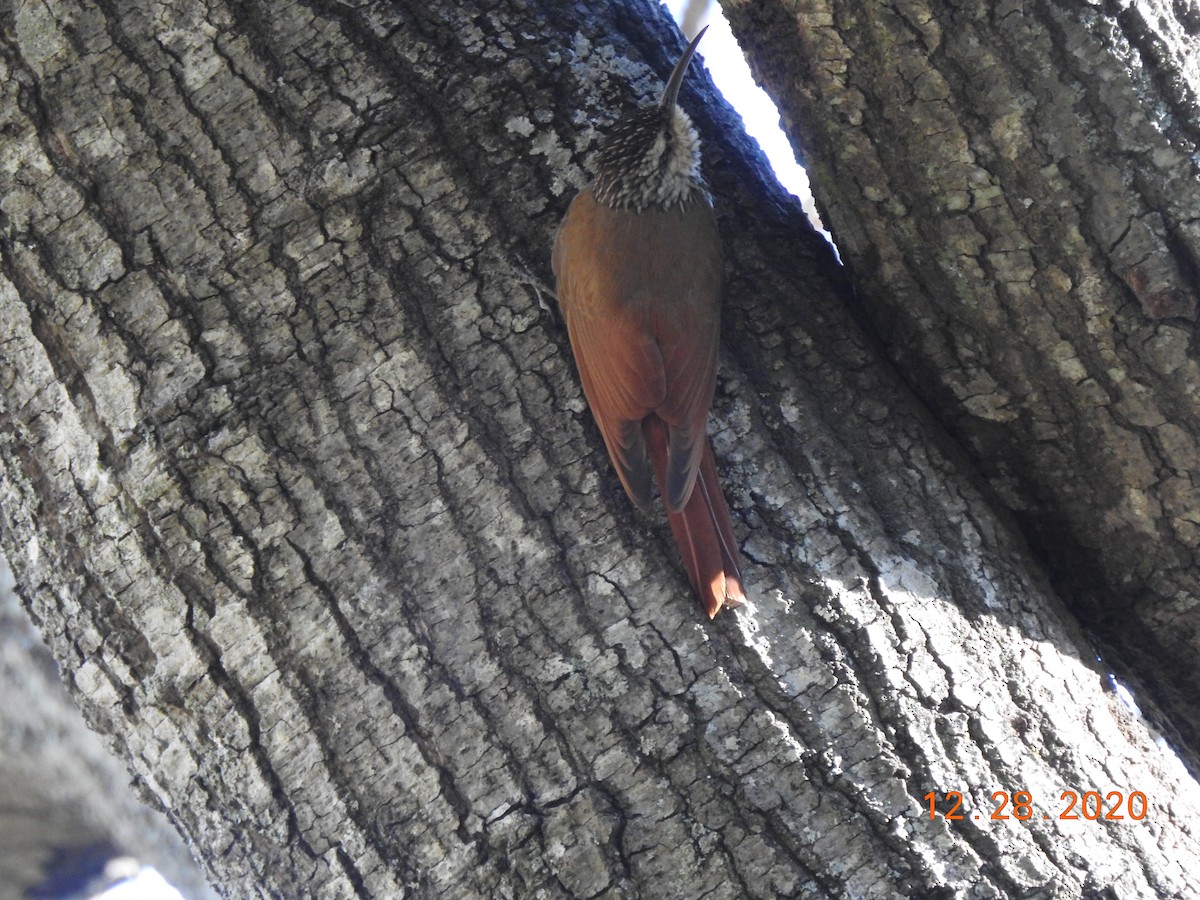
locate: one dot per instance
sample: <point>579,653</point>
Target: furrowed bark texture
<point>1015,189</point>
<point>65,806</point>
<point>299,484</point>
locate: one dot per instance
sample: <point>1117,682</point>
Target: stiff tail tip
<point>702,529</point>
<point>724,592</point>
<point>704,534</point>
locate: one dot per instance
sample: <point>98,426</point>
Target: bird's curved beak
<point>671,91</point>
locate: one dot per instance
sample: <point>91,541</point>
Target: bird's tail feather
<point>703,530</point>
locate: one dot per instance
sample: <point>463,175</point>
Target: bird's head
<point>652,157</point>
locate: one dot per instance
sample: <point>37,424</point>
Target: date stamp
<point>1113,806</point>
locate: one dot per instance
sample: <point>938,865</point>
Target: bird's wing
<point>621,370</point>
<point>687,329</point>
<point>620,364</point>
<point>640,292</point>
<point>690,362</point>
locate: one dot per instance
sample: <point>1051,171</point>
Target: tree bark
<point>1014,190</point>
<point>299,484</point>
<point>66,811</point>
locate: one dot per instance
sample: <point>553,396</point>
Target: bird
<point>638,275</point>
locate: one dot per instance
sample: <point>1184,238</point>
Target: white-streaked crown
<point>650,159</point>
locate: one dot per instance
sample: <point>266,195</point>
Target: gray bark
<point>1014,188</point>
<point>69,823</point>
<point>298,481</point>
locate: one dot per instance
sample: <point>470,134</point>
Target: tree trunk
<point>67,816</point>
<point>1014,189</point>
<point>299,484</point>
